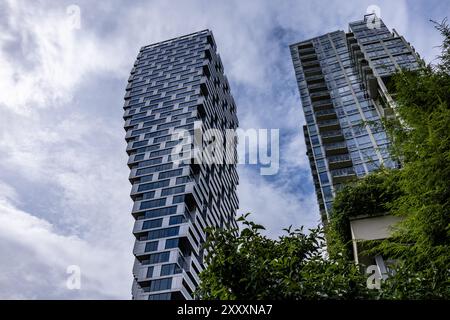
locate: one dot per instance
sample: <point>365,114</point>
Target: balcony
<point>322,105</point>
<point>343,175</point>
<point>314,78</point>
<point>310,64</point>
<point>336,148</point>
<point>332,136</point>
<point>326,114</point>
<point>339,161</point>
<point>319,85</point>
<point>328,125</point>
<point>318,96</point>
<point>305,49</point>
<point>308,55</point>
<point>309,73</point>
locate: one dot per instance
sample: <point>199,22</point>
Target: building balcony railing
<point>327,125</point>
<point>312,78</point>
<point>308,55</point>
<point>343,175</point>
<point>318,96</point>
<point>332,136</point>
<point>336,148</point>
<point>339,161</point>
<point>312,72</point>
<point>322,105</point>
<point>314,62</point>
<point>318,85</point>
<point>325,114</point>
<point>306,50</point>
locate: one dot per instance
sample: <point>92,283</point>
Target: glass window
<point>159,212</point>
<point>158,257</point>
<point>161,284</point>
<point>327,193</point>
<point>151,246</point>
<point>176,219</point>
<point>320,164</point>
<point>364,141</point>
<point>172,243</point>
<point>324,178</point>
<point>163,233</point>
<point>149,224</point>
<point>168,269</point>
<point>318,152</point>
<point>153,203</point>
<point>360,170</point>
<point>178,199</point>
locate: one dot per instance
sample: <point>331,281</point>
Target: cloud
<point>35,258</point>
<point>44,57</point>
<point>273,205</point>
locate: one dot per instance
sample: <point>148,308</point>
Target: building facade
<point>342,79</point>
<point>178,84</point>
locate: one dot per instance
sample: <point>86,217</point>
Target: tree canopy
<point>247,265</point>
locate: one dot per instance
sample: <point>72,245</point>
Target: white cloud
<point>35,258</point>
<point>273,205</point>
<point>44,58</point>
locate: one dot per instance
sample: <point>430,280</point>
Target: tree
<point>371,195</point>
<point>247,265</point>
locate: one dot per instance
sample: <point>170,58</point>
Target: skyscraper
<point>342,81</point>
<point>176,84</point>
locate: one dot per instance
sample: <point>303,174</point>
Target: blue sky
<point>63,176</point>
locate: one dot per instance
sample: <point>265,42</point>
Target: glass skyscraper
<point>342,79</point>
<point>176,84</point>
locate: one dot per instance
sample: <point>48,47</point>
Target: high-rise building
<point>342,81</point>
<point>342,78</point>
<point>177,84</point>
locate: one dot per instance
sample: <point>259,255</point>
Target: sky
<point>64,190</point>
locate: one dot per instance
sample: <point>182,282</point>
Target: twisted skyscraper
<point>178,84</point>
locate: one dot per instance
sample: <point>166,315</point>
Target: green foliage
<point>370,195</point>
<point>248,265</point>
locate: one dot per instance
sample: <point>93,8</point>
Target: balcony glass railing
<point>342,172</point>
<point>339,158</point>
<point>326,112</point>
<point>316,71</point>
<point>321,103</point>
<point>314,62</point>
<point>308,55</point>
<point>307,51</point>
<point>337,145</point>
<point>325,123</point>
<point>319,94</point>
<point>333,133</point>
